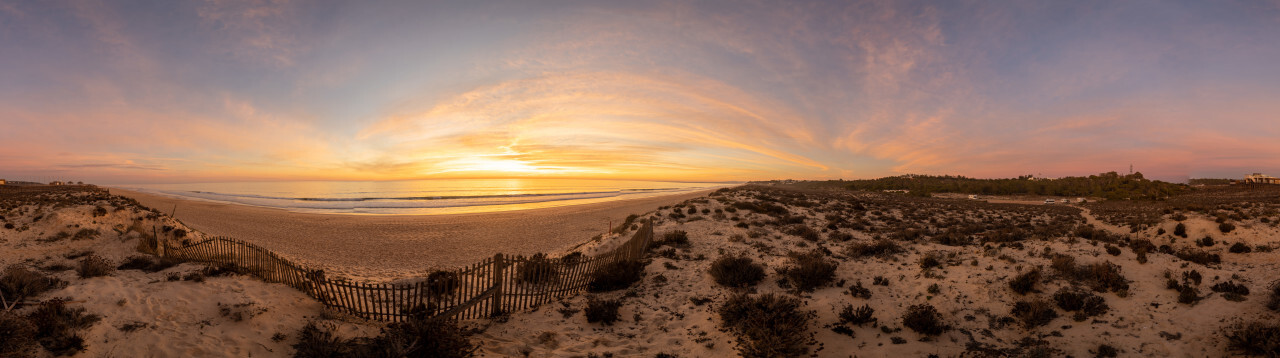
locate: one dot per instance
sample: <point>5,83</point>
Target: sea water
<point>421,196</point>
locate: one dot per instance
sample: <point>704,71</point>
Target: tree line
<point>1109,185</point>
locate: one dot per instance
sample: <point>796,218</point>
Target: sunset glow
<point>124,92</point>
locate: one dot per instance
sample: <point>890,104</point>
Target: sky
<point>228,90</point>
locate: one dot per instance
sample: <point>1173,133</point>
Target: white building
<point>1259,178</point>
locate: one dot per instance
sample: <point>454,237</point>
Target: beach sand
<point>375,248</point>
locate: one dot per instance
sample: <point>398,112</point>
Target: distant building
<point>2,182</point>
<point>55,182</point>
<point>1259,178</point>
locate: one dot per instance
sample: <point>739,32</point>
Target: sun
<point>491,165</point>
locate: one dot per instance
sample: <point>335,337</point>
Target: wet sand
<point>384,247</point>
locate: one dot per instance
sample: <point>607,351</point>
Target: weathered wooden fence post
<point>498,267</point>
<point>159,245</point>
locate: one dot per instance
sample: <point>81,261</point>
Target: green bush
<point>767,326</point>
<point>736,271</point>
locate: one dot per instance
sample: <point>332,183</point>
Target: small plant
<point>767,326</point>
<point>1025,282</point>
<point>1231,291</point>
<point>809,271</point>
<point>1112,250</point>
<point>603,311</point>
<point>1180,230</point>
<point>677,238</point>
<point>1034,313</point>
<point>148,264</point>
<point>95,266</point>
<point>17,335</point>
<point>57,326</point>
<point>929,261</point>
<point>616,275</point>
<point>1106,351</point>
<point>1207,241</point>
<point>924,319</point>
<point>440,283</point>
<point>537,269</point>
<point>803,231</point>
<point>859,316</point>
<point>880,248</point>
<point>1240,248</point>
<point>736,271</point>
<point>1274,303</point>
<point>18,283</point>
<point>1226,227</point>
<point>1257,338</point>
<point>858,291</point>
<point>1198,256</point>
<point>1085,304</point>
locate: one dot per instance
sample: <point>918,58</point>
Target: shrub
<point>1274,303</point>
<point>803,231</point>
<point>536,269</point>
<point>19,283</point>
<point>1085,304</point>
<point>1257,338</point>
<point>1180,230</point>
<point>736,271</point>
<point>603,311</point>
<point>94,266</point>
<point>676,238</point>
<point>1101,277</point>
<point>1188,294</point>
<point>56,327</point>
<point>837,236</point>
<point>858,291</point>
<point>1107,351</point>
<point>316,342</point>
<point>148,263</point>
<point>1226,227</point>
<point>880,248</point>
<point>1231,291</point>
<point>17,336</point>
<point>1034,313</point>
<point>440,283</point>
<point>924,319</point>
<point>1240,248</point>
<point>1112,250</point>
<point>767,326</point>
<point>420,336</point>
<point>1207,241</point>
<point>1026,282</point>
<point>616,275</point>
<point>809,271</point>
<point>929,261</point>
<point>1198,256</point>
<point>859,316</point>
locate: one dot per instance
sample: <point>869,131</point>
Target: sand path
<point>385,247</point>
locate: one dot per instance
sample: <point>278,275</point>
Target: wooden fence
<point>485,289</point>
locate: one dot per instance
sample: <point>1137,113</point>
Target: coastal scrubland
<point>755,271</point>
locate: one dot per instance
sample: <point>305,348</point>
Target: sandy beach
<point>387,247</point>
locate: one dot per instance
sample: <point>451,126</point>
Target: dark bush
<point>603,311</point>
<point>1188,294</point>
<point>1240,248</point>
<point>440,283</point>
<point>616,275</point>
<point>1112,250</point>
<point>420,336</point>
<point>1025,282</point>
<point>1101,277</point>
<point>929,261</point>
<point>18,283</point>
<point>537,269</point>
<point>1180,230</point>
<point>1086,304</point>
<point>1034,313</point>
<point>837,236</point>
<point>881,248</point>
<point>1199,256</point>
<point>736,271</point>
<point>924,319</point>
<point>1231,291</point>
<point>57,326</point>
<point>95,266</point>
<point>858,291</point>
<point>1207,241</point>
<point>1257,338</point>
<point>1226,227</point>
<point>1107,351</point>
<point>803,231</point>
<point>148,263</point>
<point>767,326</point>
<point>859,316</point>
<point>17,336</point>
<point>678,238</point>
<point>809,271</point>
<point>1274,303</point>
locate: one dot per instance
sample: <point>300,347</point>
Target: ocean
<point>416,197</point>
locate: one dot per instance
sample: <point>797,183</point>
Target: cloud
<point>257,31</point>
